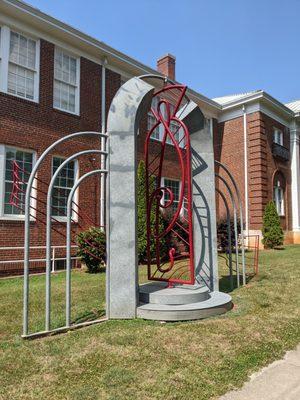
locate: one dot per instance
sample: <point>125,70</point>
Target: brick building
<point>56,80</point>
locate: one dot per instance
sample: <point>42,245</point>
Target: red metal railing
<point>252,252</point>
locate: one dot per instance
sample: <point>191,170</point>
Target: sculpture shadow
<point>202,217</point>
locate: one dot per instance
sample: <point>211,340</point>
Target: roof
<point>234,97</point>
<point>294,106</point>
<point>98,49</point>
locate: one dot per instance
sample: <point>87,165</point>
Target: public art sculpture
<point>188,286</point>
<point>183,280</point>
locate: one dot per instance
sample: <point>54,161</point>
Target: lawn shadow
<point>225,283</point>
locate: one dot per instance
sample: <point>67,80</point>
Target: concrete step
<point>217,303</point>
<point>159,293</point>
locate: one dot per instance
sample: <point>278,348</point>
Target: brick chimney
<point>166,66</point>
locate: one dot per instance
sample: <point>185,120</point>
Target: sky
<point>221,46</point>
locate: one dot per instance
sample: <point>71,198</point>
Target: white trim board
<point>250,109</point>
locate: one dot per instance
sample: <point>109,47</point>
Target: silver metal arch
<point>27,218</point>
<point>48,229</point>
<point>228,233</point>
<point>238,195</point>
<point>235,226</point>
<point>68,243</point>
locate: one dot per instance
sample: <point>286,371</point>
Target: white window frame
<point>180,186</point>
<point>280,206</point>
<point>4,63</point>
<point>11,217</point>
<point>278,136</point>
<point>62,218</point>
<point>77,85</point>
<point>162,129</point>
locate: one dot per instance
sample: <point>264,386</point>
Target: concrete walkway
<point>279,381</point>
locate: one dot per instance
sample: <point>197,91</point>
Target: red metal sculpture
<point>173,227</point>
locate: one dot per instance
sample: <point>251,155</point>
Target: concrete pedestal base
<point>180,303</point>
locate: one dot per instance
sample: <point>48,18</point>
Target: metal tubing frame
<point>68,242</point>
<point>235,227</point>
<point>103,159</point>
<point>48,230</point>
<point>238,195</point>
<point>27,219</point>
<point>229,235</point>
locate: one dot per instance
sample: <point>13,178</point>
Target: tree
<point>272,231</point>
<point>142,217</point>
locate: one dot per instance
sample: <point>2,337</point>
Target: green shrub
<point>142,220</point>
<point>272,231</point>
<point>222,234</point>
<point>92,248</point>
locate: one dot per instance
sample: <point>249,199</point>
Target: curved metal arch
<point>235,226</point>
<point>229,235</point>
<point>68,242</point>
<point>48,229</point>
<point>238,195</point>
<point>27,217</point>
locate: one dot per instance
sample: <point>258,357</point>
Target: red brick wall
<point>267,168</point>
<point>262,165</point>
<point>35,126</point>
<point>229,150</point>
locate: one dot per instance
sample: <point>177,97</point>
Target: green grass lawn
<point>147,360</point>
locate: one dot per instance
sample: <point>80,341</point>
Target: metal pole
<point>27,227</point>
<point>103,145</point>
<point>238,195</point>
<point>107,232</point>
<point>246,169</point>
<point>48,226</point>
<point>53,260</point>
<point>235,227</point>
<point>68,242</point>
<point>229,235</point>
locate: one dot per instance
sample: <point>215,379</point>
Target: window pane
<point>20,81</point>
<point>23,171</point>
<point>62,186</point>
<point>22,51</point>
<point>174,186</point>
<point>65,81</point>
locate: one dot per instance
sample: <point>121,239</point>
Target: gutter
<point>256,96</point>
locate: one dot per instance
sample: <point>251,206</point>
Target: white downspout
<point>103,144</point>
<point>246,171</point>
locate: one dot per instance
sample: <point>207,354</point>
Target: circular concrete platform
<point>180,303</point>
<point>159,293</point>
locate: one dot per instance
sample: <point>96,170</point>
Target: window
<point>159,130</point>
<point>152,120</point>
<point>175,129</point>
<point>66,87</point>
<point>174,186</point>
<point>24,161</point>
<point>278,194</point>
<point>62,186</point>
<point>278,136</point>
<point>19,65</point>
<point>21,69</point>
